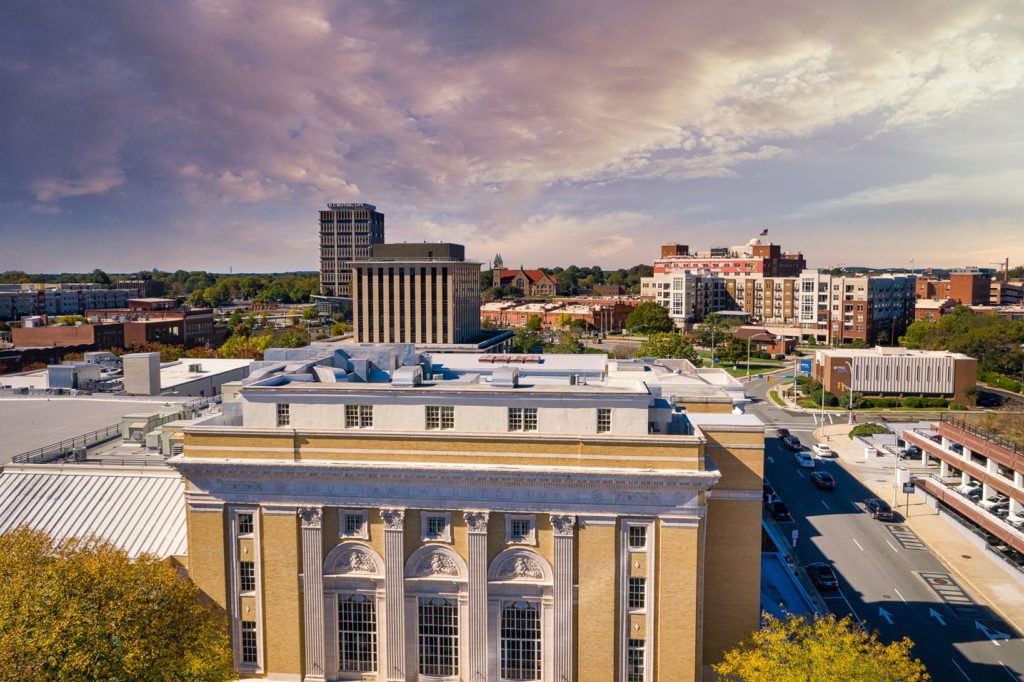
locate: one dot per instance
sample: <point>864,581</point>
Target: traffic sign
<point>908,487</point>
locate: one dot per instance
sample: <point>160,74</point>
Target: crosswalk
<point>952,594</point>
<point>906,538</point>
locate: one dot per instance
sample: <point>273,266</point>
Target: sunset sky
<point>207,134</point>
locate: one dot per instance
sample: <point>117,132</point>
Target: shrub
<point>867,429</point>
<point>830,400</point>
<point>913,401</point>
<point>957,406</point>
<point>936,402</point>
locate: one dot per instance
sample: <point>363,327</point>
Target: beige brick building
<point>373,514</point>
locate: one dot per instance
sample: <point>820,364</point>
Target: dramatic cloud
<point>551,132</point>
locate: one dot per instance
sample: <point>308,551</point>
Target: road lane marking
<point>993,635</point>
<point>901,596</point>
<point>826,505</point>
<point>960,669</point>
<point>959,602</point>
<point>1008,671</point>
<point>932,613</point>
<point>857,543</point>
<point>854,505</point>
<point>800,474</point>
<point>891,545</point>
<point>885,614</point>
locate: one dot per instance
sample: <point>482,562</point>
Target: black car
<point>823,576</point>
<point>792,442</point>
<point>782,433</point>
<point>779,511</point>
<point>880,509</point>
<point>823,480</point>
<point>769,494</point>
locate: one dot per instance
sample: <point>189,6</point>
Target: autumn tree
<point>85,610</point>
<point>820,650</point>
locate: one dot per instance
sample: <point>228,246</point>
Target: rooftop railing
<point>963,424</point>
<point>62,449</point>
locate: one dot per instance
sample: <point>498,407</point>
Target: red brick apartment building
<point>966,287</point>
<point>752,258</point>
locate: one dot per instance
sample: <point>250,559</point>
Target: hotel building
<point>367,512</point>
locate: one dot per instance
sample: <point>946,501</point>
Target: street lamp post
<point>748,358</point>
<point>846,370</point>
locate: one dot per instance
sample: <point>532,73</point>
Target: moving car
<point>803,460</point>
<point>792,442</point>
<point>782,433</point>
<point>823,480</point>
<point>822,450</point>
<point>779,511</point>
<point>822,576</point>
<point>880,509</point>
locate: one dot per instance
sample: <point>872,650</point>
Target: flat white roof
<point>179,372</point>
<point>891,352</point>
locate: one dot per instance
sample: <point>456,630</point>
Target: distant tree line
<point>196,287</point>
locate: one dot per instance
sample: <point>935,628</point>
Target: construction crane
<point>1006,268</point>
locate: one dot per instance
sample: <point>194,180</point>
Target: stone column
<point>564,527</point>
<point>313,591</point>
<point>394,593</point>
<point>476,523</point>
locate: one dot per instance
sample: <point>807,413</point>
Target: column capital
<point>477,521</point>
<point>311,516</point>
<point>394,518</point>
<point>563,524</point>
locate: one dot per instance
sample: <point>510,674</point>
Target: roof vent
<point>505,377</point>
<point>195,368</point>
<point>410,375</point>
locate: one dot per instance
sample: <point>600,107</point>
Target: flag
<point>764,232</point>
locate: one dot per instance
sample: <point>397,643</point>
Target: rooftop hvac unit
<point>195,368</point>
<point>78,453</point>
<point>177,449</point>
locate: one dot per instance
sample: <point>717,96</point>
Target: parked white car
<point>822,450</point>
<point>995,502</point>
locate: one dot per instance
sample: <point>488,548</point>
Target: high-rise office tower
<point>347,232</point>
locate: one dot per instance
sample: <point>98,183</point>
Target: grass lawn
<point>776,399</point>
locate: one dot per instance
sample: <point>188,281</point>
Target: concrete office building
<point>347,233</point>
<point>401,517</point>
<point>416,293</point>
<point>897,371</point>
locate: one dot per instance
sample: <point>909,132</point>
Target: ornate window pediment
<point>353,559</point>
<point>437,562</point>
<point>519,564</point>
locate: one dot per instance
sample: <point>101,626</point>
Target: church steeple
<point>498,263</point>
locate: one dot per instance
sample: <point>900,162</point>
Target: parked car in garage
<point>823,480</point>
<point>822,575</point>
<point>880,509</point>
<point>911,451</point>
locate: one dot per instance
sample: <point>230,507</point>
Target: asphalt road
<point>889,580</point>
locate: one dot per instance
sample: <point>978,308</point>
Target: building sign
<point>908,487</point>
<point>805,366</point>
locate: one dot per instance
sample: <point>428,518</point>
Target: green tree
<point>533,323</point>
<point>567,344</point>
<point>564,320</point>
<point>713,330</point>
<point>525,341</point>
<point>293,338</point>
<point>234,319</point>
<point>916,334</point>
<point>244,347</point>
<point>84,610</point>
<point>310,314</point>
<point>669,345</point>
<point>649,318</point>
<point>818,651</point>
<point>735,350</point>
<point>72,320</point>
<point>338,328</point>
<point>491,293</point>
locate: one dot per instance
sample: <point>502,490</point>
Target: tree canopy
<point>991,339</point>
<point>668,345</point>
<point>83,610</point>
<point>649,318</point>
<point>713,330</point>
<point>821,650</point>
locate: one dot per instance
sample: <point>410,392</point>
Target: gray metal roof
<point>139,509</point>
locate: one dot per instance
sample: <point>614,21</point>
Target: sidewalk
<point>986,579</point>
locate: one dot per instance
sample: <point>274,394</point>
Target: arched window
<point>436,604</point>
<point>353,606</point>
<point>520,613</point>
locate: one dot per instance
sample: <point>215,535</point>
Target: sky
<point>207,134</point>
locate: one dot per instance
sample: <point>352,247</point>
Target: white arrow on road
<point>936,615</point>
<point>991,634</point>
<point>770,459</point>
<point>885,614</point>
